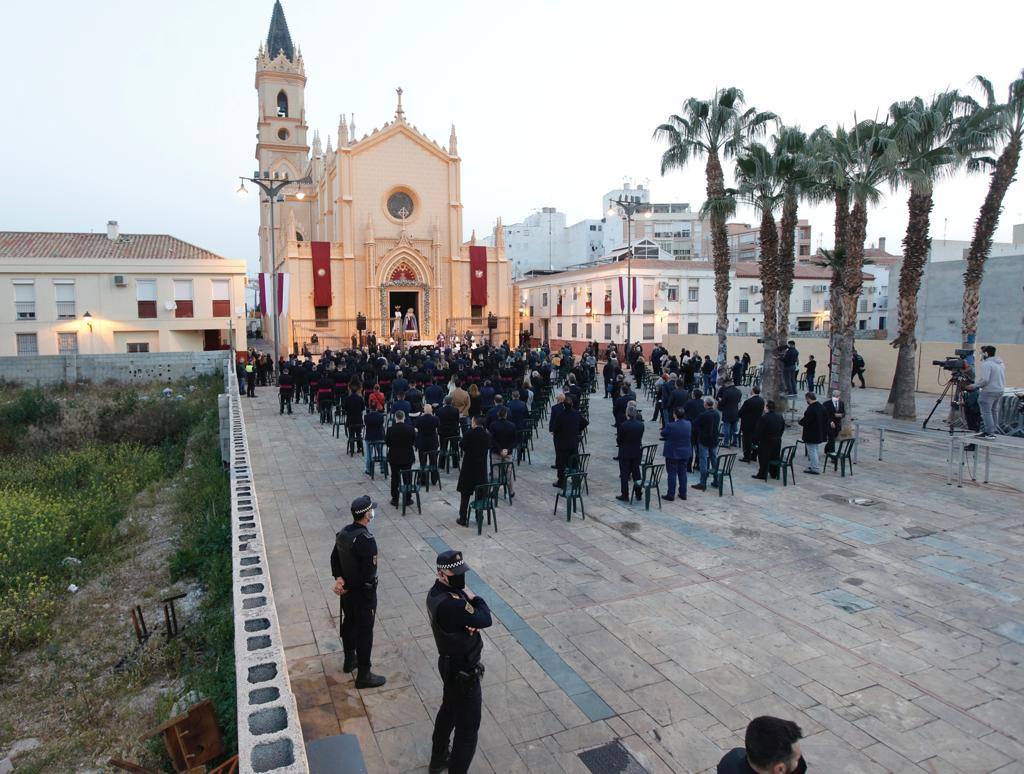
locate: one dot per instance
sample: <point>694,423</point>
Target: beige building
<point>375,223</point>
<point>112,292</point>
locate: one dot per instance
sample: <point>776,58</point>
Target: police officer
<point>354,566</point>
<point>456,614</point>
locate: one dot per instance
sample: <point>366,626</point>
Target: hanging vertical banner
<point>634,294</point>
<point>266,293</point>
<point>264,280</point>
<point>478,276</point>
<point>622,295</point>
<point>321,273</point>
<point>627,288</point>
<point>283,286</point>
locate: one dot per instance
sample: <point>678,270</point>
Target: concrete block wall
<point>143,367</point>
<point>269,733</point>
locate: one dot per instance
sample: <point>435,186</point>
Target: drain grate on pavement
<point>611,758</point>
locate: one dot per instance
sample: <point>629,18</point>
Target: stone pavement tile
<point>567,713</point>
<point>347,702</point>
<point>614,697</point>
<point>512,699</point>
<point>666,704</point>
<point>683,747</point>
<point>528,727</point>
<point>644,755</point>
<point>318,722</point>
<point>827,752</point>
<point>360,727</point>
<point>722,711</point>
<point>917,744</point>
<point>953,716</point>
<point>310,691</point>
<point>840,726</point>
<point>957,692</point>
<point>564,760</point>
<point>537,757</point>
<point>679,677</point>
<point>972,755</point>
<point>406,748</point>
<point>1002,716</point>
<point>732,685</point>
<point>391,708</point>
<point>833,674</point>
<point>891,657</point>
<point>777,707</point>
<point>534,675</point>
<point>898,713</point>
<point>503,761</point>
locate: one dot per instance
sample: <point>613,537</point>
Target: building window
<point>134,347</point>
<point>807,305</point>
<point>744,306</point>
<point>881,323</point>
<point>531,310</point>
<point>320,313</point>
<point>673,329</point>
<point>221,291</point>
<point>531,329</point>
<point>607,331</point>
<point>67,343</point>
<point>27,344</point>
<point>590,331</point>
<point>691,328</point>
<point>692,294</point>
<point>805,325</point>
<point>673,293</point>
<point>64,293</point>
<point>574,329</point>
<point>183,298</point>
<point>145,294</point>
<point>558,330</point>
<point>862,325</point>
<point>544,299</point>
<point>25,299</point>
<point>743,329</point>
<point>648,331</point>
<point>863,305</point>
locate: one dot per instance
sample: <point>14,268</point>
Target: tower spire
<point>278,37</point>
<point>399,113</point>
<point>342,132</point>
<point>453,145</point>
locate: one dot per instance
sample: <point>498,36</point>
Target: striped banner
<point>283,284</point>
<point>625,291</point>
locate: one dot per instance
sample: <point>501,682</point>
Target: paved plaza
<point>891,629</point>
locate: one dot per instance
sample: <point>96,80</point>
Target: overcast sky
<point>145,112</point>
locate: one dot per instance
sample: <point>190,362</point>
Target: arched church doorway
<point>402,301</point>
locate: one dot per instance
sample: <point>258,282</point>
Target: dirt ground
<point>92,691</point>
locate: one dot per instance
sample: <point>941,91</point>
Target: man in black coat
<point>448,417</point>
<point>565,427</point>
<point>353,406</point>
<point>705,432</point>
<point>835,413</point>
<point>750,412</point>
<point>630,438</point>
<point>610,370</point>
<point>768,435</point>
<point>373,431</point>
<point>729,397</point>
<point>427,440</point>
<point>815,432</point>
<point>401,440</point>
<point>476,445</point>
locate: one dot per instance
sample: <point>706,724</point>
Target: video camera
<point>958,363</point>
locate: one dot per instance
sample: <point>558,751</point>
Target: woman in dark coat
<point>476,445</point>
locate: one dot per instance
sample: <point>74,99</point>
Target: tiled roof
<point>46,244</point>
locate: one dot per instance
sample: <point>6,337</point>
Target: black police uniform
<point>354,558</point>
<point>450,612</point>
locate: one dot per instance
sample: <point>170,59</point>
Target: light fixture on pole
<point>629,209</point>
<point>272,187</point>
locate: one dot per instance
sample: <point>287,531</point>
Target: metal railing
<point>66,310</point>
<point>25,310</point>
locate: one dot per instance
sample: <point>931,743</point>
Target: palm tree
<point>790,146</point>
<point>716,129</point>
<point>1005,121</point>
<point>927,135</point>
<point>761,179</point>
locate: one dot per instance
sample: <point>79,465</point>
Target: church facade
<point>372,226</point>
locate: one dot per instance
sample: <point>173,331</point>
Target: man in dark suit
<point>373,431</point>
<point>476,444</point>
<point>750,412</point>
<point>448,418</point>
<point>427,440</point>
<point>353,406</point>
<point>768,435</point>
<point>619,405</point>
<point>729,397</point>
<point>694,406</point>
<point>434,394</point>
<point>674,398</point>
<point>565,427</point>
<point>835,413</point>
<point>400,440</point>
<point>678,451</point>
<point>400,406</point>
<point>706,431</point>
<point>630,438</point>
<point>815,431</point>
<point>518,413</point>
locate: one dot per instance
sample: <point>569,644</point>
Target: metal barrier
<point>269,732</point>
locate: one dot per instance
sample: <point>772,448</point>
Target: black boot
<point>350,662</point>
<point>367,679</point>
<point>440,763</point>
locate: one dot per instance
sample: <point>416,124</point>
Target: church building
<point>372,226</point>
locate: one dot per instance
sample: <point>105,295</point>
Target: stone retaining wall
<point>125,368</point>
<point>269,733</point>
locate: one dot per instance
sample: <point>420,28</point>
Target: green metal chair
<point>784,464</point>
<point>572,491</point>
<point>648,454</point>
<point>503,474</point>
<point>485,502</point>
<point>524,440</point>
<point>355,439</point>
<point>723,470</point>
<point>339,422</point>
<point>378,457</point>
<point>450,452</point>
<point>430,471</point>
<point>578,463</point>
<point>840,456</point>
<point>650,480</point>
<point>408,486</point>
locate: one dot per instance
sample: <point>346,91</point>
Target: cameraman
<point>990,382</point>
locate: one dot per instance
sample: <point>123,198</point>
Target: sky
<point>145,112</point>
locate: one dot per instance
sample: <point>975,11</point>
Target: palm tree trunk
<point>981,243</point>
<point>771,366</point>
<point>915,254</point>
<point>720,255</point>
<point>853,282</point>
<point>835,293</point>
<point>787,260</point>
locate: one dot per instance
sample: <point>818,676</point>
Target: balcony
<point>66,310</point>
<point>25,310</point>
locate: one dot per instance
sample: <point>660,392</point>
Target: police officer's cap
<point>452,562</point>
<point>361,505</point>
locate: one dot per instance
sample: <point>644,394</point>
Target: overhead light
<point>242,191</point>
<point>87,315</point>
<point>300,195</point>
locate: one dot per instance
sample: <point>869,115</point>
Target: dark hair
<point>771,405</point>
<point>756,389</point>
<point>770,740</point>
<point>812,397</point>
<point>679,412</point>
<point>989,350</point>
<point>697,394</point>
<point>502,413</point>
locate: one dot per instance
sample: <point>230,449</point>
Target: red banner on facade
<point>478,276</point>
<point>321,273</point>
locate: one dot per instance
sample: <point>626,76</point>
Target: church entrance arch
<point>404,289</point>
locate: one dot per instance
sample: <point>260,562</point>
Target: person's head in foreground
<point>771,746</point>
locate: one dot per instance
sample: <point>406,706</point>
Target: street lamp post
<point>629,209</point>
<point>272,187</point>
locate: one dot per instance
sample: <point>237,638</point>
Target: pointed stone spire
<point>472,238</point>
<point>399,113</point>
<point>499,234</point>
<point>453,144</point>
<point>352,125</point>
<point>342,132</point>
<point>317,149</point>
<point>278,38</point>
<point>330,150</point>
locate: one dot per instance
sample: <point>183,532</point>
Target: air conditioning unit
<point>755,288</point>
<point>871,291</point>
<point>819,288</point>
<point>170,306</point>
<point>662,286</point>
<point>120,281</point>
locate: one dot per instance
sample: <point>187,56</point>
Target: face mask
<point>457,581</point>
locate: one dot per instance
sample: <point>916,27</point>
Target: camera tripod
<point>956,413</point>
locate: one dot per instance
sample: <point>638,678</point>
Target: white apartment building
<point>72,293</point>
<point>544,241</point>
<point>672,297</point>
<point>745,245</point>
